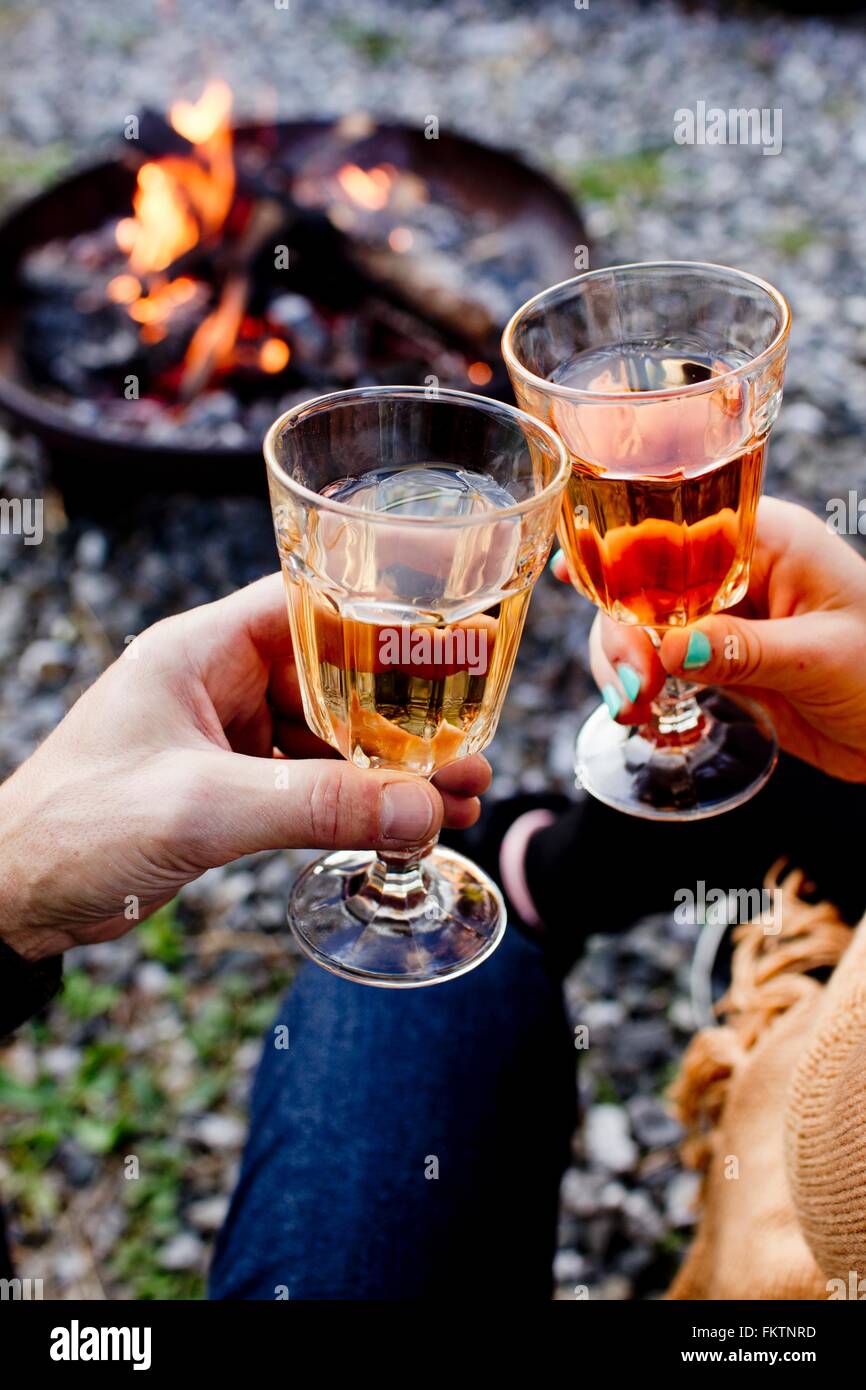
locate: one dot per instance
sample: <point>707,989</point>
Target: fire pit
<point>158,310</point>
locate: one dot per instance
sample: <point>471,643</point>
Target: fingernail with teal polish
<point>612,699</point>
<point>555,559</point>
<point>698,652</point>
<point>630,680</point>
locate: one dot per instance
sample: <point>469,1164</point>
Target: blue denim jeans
<point>408,1144</point>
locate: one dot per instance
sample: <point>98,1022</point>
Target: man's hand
<point>168,765</point>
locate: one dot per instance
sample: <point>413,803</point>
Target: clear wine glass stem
<point>676,712</point>
<point>394,889</point>
<point>676,709</point>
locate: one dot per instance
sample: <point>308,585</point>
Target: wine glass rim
<point>316,404</point>
<point>576,393</point>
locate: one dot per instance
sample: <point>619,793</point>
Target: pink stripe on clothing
<point>512,862</point>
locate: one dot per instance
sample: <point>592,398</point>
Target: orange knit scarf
<point>742,1097</point>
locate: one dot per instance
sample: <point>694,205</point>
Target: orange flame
<point>163,226</point>
<point>123,289</point>
<point>179,199</point>
<point>199,121</point>
<point>213,342</point>
<point>369,188</point>
<point>162,300</point>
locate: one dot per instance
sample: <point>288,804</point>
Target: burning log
<point>214,340</point>
<point>408,283</point>
<point>339,268</point>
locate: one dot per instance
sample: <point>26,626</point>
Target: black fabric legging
<point>598,870</point>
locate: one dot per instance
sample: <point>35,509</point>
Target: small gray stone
<point>92,550</point>
<point>152,978</point>
<point>569,1267</point>
<point>94,590</point>
<point>641,1045</point>
<point>183,1251</point>
<point>234,888</point>
<point>681,1199</point>
<point>608,1141</point>
<point>581,1191</point>
<point>643,1222</point>
<point>601,1017</point>
<point>801,417</point>
<point>612,1197</point>
<point>71,1265</point>
<point>208,1213</point>
<point>61,1062</point>
<point>616,1288</point>
<point>274,874</point>
<point>221,1132</point>
<point>46,662</point>
<point>651,1123</point>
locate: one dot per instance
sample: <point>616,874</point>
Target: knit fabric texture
<point>774,1106</point>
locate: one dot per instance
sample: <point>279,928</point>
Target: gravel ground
<point>151,1050</point>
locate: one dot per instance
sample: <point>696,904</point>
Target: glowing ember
<point>400,239</point>
<point>162,300</point>
<point>123,289</point>
<point>369,188</point>
<point>153,332</point>
<point>274,355</point>
<point>479,373</point>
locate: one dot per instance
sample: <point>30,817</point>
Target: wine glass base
<point>459,924</point>
<point>625,768</point>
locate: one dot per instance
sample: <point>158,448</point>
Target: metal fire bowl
<point>92,467</point>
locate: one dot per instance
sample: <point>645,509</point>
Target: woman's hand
<point>796,644</point>
<point>190,751</point>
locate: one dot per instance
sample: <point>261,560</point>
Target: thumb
<point>775,653</point>
<point>244,804</point>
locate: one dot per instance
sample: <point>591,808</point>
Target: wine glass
<point>663,380</point>
<point>411,525</point>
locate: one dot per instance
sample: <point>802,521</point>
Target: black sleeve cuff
<point>25,986</point>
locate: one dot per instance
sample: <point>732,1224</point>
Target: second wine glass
<point>663,380</point>
<point>411,527</point>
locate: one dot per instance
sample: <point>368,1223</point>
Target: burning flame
<point>162,300</point>
<point>199,121</point>
<point>163,226</point>
<point>178,201</point>
<point>181,198</point>
<point>369,188</point>
<point>123,289</point>
<point>213,342</point>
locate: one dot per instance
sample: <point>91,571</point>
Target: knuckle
<point>329,804</point>
<point>750,656</point>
